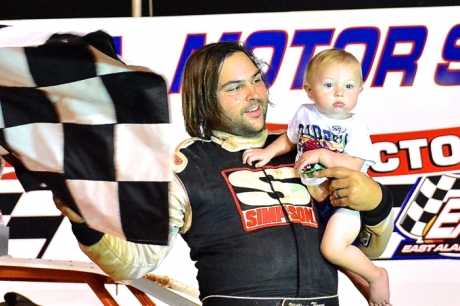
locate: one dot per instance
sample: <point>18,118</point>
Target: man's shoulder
<point>275,133</point>
<point>180,160</point>
<point>189,147</point>
<point>186,143</point>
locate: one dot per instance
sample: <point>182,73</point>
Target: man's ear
<point>307,89</point>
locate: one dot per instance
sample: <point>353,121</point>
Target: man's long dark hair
<point>200,105</point>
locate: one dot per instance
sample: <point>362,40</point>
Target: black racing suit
<point>254,231</point>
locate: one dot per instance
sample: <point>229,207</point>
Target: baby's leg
<point>379,288</point>
<point>341,231</point>
<point>319,192</point>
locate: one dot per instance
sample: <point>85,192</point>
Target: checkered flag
<point>426,202</point>
<point>75,119</point>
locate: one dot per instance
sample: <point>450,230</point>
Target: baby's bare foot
<point>379,294</point>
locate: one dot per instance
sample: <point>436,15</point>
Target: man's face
<point>243,96</point>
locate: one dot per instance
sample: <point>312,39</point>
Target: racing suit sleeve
<point>126,260</point>
<point>377,226</point>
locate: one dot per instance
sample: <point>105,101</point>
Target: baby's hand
<point>252,155</point>
<point>307,158</point>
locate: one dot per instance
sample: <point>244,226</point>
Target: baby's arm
<point>329,159</point>
<point>280,146</point>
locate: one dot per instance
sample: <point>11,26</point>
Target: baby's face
<point>335,90</point>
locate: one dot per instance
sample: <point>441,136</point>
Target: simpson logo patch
<point>260,205</point>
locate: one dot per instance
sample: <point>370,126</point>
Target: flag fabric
<point>427,201</point>
<point>75,119</point>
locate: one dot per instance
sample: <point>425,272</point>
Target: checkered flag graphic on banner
<point>75,119</point>
<point>426,202</point>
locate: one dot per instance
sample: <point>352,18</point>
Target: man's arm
<point>378,226</point>
<point>122,259</point>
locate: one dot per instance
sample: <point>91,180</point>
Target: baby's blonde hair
<point>325,58</point>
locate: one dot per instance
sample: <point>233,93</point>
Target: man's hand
<point>66,211</point>
<point>352,189</point>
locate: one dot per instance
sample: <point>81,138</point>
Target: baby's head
<point>329,57</point>
<point>333,81</point>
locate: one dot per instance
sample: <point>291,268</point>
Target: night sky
<point>49,9</point>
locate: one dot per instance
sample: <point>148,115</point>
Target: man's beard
<point>240,126</point>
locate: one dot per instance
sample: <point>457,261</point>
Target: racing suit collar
<point>233,143</point>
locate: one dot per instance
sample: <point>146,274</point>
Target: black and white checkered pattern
<point>78,121</point>
<point>425,203</point>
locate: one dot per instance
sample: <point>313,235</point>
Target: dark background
<point>49,9</point>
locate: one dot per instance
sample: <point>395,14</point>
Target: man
<point>253,232</point>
